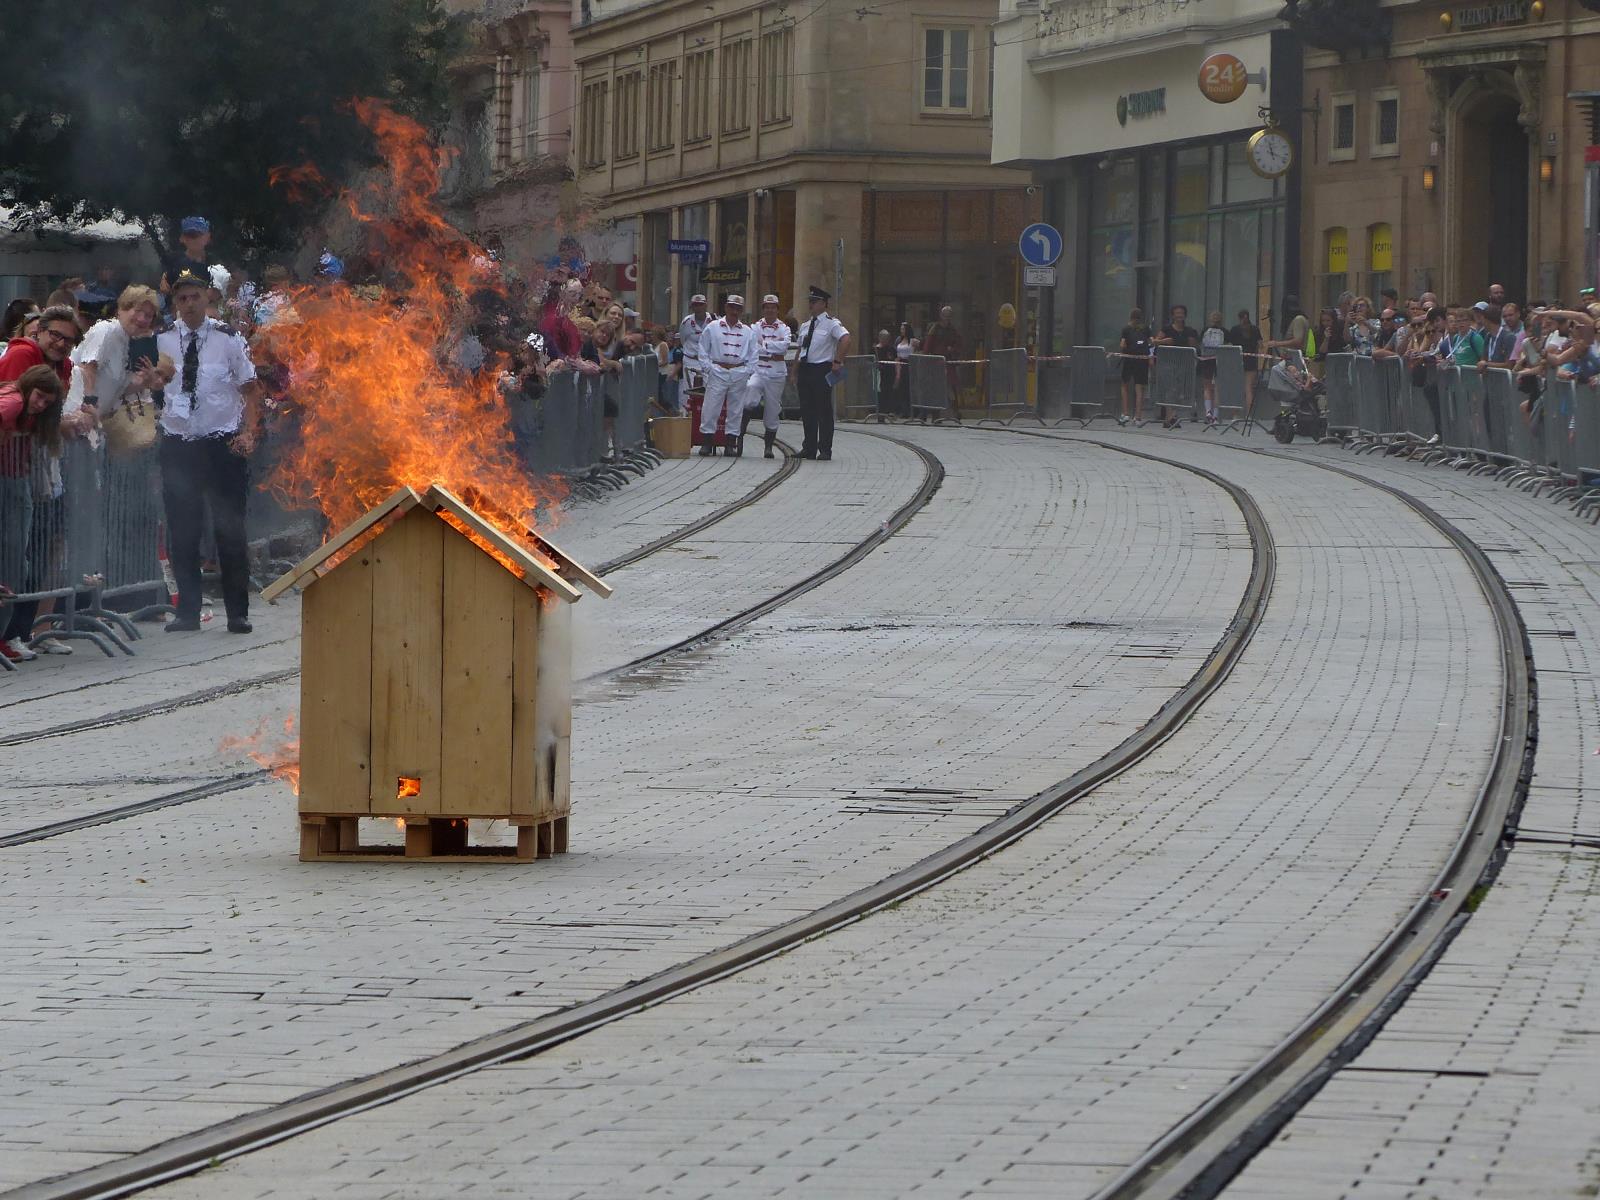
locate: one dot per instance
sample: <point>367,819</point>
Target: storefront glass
<point>1207,236</point>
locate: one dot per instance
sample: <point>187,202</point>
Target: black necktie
<point>191,362</point>
<point>805,346</point>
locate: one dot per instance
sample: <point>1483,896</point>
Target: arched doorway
<point>1489,226</point>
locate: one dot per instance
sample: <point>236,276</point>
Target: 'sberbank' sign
<point>1141,104</point>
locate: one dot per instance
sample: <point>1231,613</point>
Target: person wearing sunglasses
<point>50,345</point>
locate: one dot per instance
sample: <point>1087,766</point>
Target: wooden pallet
<point>336,837</point>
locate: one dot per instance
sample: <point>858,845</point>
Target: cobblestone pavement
<point>136,761</point>
<point>168,972</point>
<point>1484,1084</point>
<point>1037,1020</point>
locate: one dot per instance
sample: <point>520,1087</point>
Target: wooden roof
<point>559,579</point>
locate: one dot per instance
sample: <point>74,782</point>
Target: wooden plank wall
<point>336,689</point>
<point>479,657</point>
<point>407,660</point>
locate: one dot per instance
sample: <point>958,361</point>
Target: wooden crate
<point>436,669</point>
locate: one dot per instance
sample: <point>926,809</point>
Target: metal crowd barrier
<point>1173,383</point>
<point>1005,391</point>
<point>930,387</point>
<point>856,397</point>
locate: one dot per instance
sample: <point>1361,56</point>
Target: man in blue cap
<point>194,235</point>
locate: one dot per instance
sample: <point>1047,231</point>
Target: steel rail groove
<point>933,474</point>
<point>1198,1157</point>
<point>192,1152</point>
<point>156,708</point>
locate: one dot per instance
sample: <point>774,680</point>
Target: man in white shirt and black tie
<point>729,350</point>
<point>208,423</point>
<point>824,342</point>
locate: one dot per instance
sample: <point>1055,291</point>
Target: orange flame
<point>380,405</point>
<point>280,756</point>
<point>409,785</point>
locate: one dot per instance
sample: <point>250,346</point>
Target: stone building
<point>1450,146</point>
<point>1150,182</point>
<point>806,145</point>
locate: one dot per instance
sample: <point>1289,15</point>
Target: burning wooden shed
<point>435,685</point>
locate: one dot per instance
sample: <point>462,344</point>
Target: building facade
<point>1455,151</point>
<point>804,146</point>
<point>1149,181</point>
<point>508,182</point>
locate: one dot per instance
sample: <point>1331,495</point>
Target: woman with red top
<point>30,415</point>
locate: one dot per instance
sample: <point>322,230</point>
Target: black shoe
<point>808,454</point>
<point>239,625</point>
<point>825,455</point>
<point>770,439</point>
<point>183,625</point>
<point>708,449</point>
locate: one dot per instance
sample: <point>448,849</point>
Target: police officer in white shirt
<point>823,344</point>
<point>728,353</point>
<point>771,372</point>
<point>690,330</point>
<point>208,422</point>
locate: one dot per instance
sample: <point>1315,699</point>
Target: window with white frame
<point>530,107</point>
<point>625,115</point>
<point>593,113</point>
<point>658,105</point>
<point>777,65</point>
<point>947,69</point>
<point>1385,123</point>
<point>1342,128</point>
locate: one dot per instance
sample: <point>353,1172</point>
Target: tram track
<point>192,1152</point>
<point>1197,1158</point>
<point>157,708</point>
<point>933,476</point>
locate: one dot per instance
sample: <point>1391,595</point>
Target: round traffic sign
<point>1223,78</point>
<point>1040,244</point>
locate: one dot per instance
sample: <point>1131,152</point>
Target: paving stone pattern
<point>1034,1022</point>
<point>169,972</point>
<point>1484,1084</point>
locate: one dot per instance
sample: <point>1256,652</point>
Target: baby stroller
<point>1299,400</point>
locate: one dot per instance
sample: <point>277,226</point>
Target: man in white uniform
<point>771,373</point>
<point>728,353</point>
<point>690,330</point>
<point>824,342</point>
<point>208,422</point>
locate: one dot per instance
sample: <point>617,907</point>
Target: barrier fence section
<point>931,388</point>
<point>856,395</point>
<point>1173,379</point>
<point>1006,384</point>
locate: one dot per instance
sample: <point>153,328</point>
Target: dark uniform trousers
<point>816,407</point>
<point>193,474</point>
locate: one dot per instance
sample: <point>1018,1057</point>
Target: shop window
<point>1335,278</point>
<point>777,67</point>
<point>1191,180</point>
<point>1343,128</point>
<point>594,124</point>
<point>658,105</point>
<point>697,96</point>
<point>736,86</point>
<point>1385,123</point>
<point>1380,258</point>
<point>947,70</point>
<point>625,116</point>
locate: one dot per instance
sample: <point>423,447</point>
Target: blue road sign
<point>1040,245</point>
<point>689,248</point>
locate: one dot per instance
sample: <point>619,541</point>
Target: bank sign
<point>1141,104</point>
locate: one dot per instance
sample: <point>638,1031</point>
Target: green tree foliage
<point>171,107</point>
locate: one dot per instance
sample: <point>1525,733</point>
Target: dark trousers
<point>194,474</point>
<point>816,408</point>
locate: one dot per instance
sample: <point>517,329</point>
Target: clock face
<point>1271,154</point>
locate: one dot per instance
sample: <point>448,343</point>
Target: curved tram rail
<point>1197,1158</point>
<point>192,1152</point>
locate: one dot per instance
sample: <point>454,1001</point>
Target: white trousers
<point>724,386</point>
<point>770,389</point>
